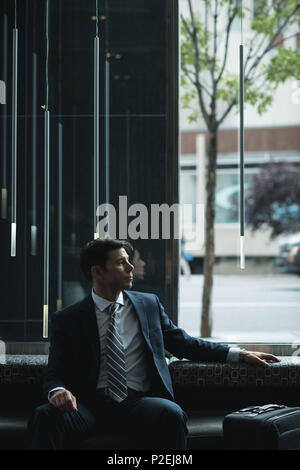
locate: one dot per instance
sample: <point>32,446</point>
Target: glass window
<point>138,150</point>
<point>188,195</point>
<point>227,195</point>
<point>261,302</point>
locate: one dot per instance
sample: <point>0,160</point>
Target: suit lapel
<point>90,326</point>
<point>137,302</point>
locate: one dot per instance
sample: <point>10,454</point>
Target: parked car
<point>289,253</point>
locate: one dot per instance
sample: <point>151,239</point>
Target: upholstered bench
<point>21,378</point>
<point>206,391</point>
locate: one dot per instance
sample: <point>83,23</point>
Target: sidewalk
<point>245,308</point>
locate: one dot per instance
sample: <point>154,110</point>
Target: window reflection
<point>135,129</point>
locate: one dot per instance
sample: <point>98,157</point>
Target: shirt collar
<point>102,303</point>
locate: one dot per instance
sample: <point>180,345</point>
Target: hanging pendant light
<point>107,109</point>
<point>46,185</point>
<point>59,299</point>
<point>107,131</point>
<point>96,122</point>
<point>59,217</point>
<point>14,132</point>
<point>4,121</point>
<point>242,150</point>
<point>33,228</point>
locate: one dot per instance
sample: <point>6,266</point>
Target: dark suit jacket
<point>74,356</point>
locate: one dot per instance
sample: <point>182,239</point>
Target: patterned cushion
<point>29,369</point>
<point>198,374</point>
<point>22,368</point>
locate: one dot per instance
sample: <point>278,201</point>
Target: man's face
<point>118,273</point>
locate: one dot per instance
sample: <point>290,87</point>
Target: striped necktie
<point>115,355</point>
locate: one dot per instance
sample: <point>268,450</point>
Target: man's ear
<point>97,272</point>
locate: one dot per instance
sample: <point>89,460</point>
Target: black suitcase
<point>265,427</point>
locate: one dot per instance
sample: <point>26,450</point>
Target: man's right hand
<point>63,400</point>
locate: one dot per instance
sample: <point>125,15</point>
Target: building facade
<point>273,136</point>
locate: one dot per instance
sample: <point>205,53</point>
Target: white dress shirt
<point>133,342</point>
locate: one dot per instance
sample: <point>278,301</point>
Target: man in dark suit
<point>107,367</point>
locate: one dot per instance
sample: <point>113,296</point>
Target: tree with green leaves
<point>273,199</point>
<point>206,31</point>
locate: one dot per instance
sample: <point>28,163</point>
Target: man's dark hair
<point>97,251</point>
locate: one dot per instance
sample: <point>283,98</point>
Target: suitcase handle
<point>261,409</point>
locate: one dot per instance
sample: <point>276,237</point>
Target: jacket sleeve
<point>184,346</point>
<point>58,356</point>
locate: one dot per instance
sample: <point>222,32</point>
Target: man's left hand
<point>260,358</point>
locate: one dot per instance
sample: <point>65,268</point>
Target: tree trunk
<point>209,257</point>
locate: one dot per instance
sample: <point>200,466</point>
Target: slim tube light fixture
<point>34,228</point>
<point>107,109</point>
<point>14,135</point>
<point>242,150</point>
<point>46,186</point>
<point>128,153</point>
<point>107,131</point>
<point>4,122</point>
<point>59,216</point>
<point>96,122</point>
<point>34,161</point>
<point>46,221</point>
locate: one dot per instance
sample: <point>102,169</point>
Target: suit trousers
<point>156,422</point>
